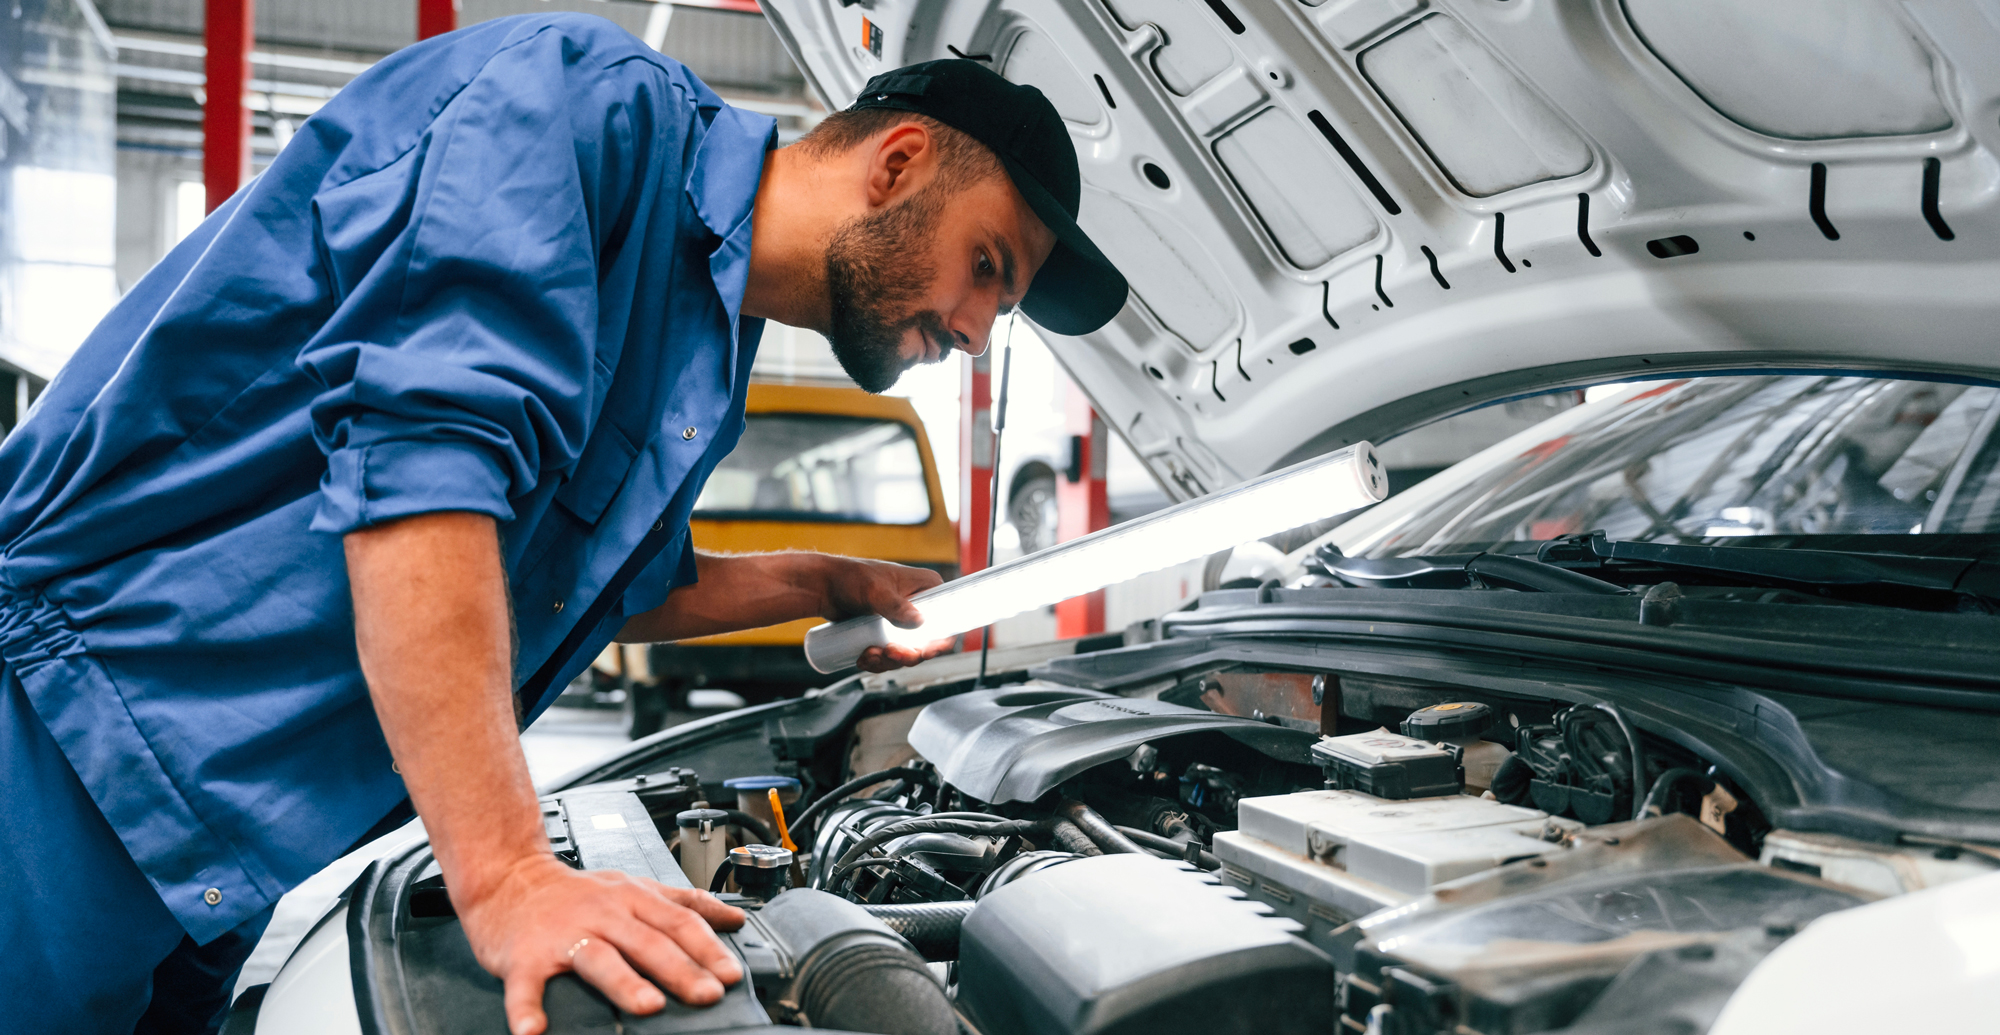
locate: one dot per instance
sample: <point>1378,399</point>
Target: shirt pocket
<point>600,472</point>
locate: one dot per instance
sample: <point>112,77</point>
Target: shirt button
<point>212,896</point>
<point>689,434</point>
<point>657,525</point>
<point>558,607</point>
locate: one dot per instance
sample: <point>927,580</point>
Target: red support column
<point>975,467</point>
<point>1082,506</point>
<point>228,31</point>
<point>436,17</point>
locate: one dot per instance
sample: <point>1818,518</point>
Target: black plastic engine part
<point>830,964</point>
<point>1389,765</point>
<point>1458,722</point>
<point>417,973</point>
<point>1017,744</point>
<point>1582,765</point>
<point>1023,864</point>
<point>1130,944</point>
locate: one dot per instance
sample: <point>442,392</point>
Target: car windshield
<point>817,467</point>
<point>1701,459</point>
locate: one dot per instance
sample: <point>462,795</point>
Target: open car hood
<point>1342,219</point>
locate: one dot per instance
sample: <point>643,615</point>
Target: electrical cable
<point>993,491</point>
<point>802,823</point>
<point>927,825</point>
<point>1665,782</point>
<point>1172,849</point>
<point>753,824</point>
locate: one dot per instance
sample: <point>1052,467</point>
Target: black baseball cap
<point>1077,290</point>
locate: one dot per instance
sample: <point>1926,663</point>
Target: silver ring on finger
<point>580,943</point>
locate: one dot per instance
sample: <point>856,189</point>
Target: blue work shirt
<point>501,272</point>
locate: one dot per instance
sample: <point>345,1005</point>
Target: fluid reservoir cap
<point>695,817</point>
<point>784,784</point>
<point>760,857</point>
<point>1457,722</point>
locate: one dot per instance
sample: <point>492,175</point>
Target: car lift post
<point>975,466</point>
<point>1082,506</point>
<point>227,30</point>
<point>436,17</point>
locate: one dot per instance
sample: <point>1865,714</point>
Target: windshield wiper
<point>1969,576</point>
<point>1458,571</point>
<point>1592,563</point>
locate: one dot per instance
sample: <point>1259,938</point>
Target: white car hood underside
<point>1342,219</point>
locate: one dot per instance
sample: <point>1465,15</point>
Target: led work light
<point>1336,483</point>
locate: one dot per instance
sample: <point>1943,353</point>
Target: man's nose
<point>970,345</point>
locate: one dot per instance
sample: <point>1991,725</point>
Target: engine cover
<point>1018,743</point>
<point>1131,943</point>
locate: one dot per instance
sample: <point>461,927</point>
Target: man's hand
<point>432,631</point>
<point>749,591</point>
<point>544,918</point>
<point>863,587</point>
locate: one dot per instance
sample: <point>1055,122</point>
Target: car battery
<point>1389,765</point>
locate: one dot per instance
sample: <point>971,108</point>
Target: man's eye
<point>985,265</point>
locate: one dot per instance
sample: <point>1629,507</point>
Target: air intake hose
<point>932,927</point>
<point>862,984</point>
<point>853,972</point>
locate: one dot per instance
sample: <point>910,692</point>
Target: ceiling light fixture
<point>1341,481</point>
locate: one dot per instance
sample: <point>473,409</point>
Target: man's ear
<point>903,161</point>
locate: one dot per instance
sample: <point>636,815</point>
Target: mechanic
<point>344,492</point>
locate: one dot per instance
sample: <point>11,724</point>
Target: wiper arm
<point>1456,572</point>
<point>1817,568</point>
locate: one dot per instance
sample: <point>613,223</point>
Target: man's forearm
<point>736,591</point>
<point>431,624</point>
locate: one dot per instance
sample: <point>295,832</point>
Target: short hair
<point>961,159</point>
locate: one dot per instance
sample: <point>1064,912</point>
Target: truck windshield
<point>817,467</point>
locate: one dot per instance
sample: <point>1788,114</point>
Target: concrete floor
<point>561,741</point>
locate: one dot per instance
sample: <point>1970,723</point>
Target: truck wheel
<point>645,710</point>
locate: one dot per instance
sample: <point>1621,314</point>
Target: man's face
<point>918,278</point>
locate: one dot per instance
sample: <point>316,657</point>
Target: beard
<point>877,271</point>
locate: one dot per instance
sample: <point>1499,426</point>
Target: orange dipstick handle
<point>778,813</point>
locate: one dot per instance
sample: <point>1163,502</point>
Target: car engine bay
<point>1236,847</point>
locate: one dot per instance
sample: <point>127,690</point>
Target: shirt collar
<point>727,167</point>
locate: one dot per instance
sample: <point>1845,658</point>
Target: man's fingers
<point>691,933</point>
<point>600,963</point>
<point>875,659</point>
<point>900,612</point>
<point>524,1002</point>
<point>720,915</point>
<point>670,962</point>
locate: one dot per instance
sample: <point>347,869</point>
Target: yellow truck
<point>824,468</point>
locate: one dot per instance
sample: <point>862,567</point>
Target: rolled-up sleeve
<point>461,366</point>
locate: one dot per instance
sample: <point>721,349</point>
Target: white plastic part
<point>1339,482</point>
<point>703,850</point>
<point>1408,847</point>
<point>313,993</point>
<point>1927,961</point>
